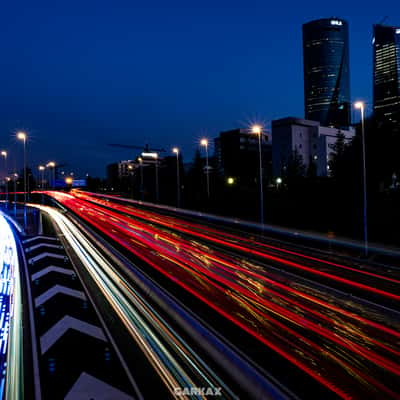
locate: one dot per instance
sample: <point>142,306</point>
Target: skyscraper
<point>386,46</point>
<point>326,72</point>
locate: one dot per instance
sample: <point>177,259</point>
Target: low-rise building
<point>311,141</point>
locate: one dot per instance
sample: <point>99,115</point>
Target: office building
<point>312,142</point>
<point>326,72</point>
<point>237,155</point>
<point>386,78</point>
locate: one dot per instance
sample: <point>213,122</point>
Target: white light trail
<point>150,331</point>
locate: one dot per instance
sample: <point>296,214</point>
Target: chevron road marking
<point>58,330</point>
<point>36,246</point>
<point>39,237</point>
<point>46,254</point>
<point>89,387</point>
<point>58,289</point>
<point>49,269</point>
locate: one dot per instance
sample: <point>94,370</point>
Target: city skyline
<point>64,91</point>
<point>199,199</point>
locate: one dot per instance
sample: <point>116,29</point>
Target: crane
<point>383,20</point>
<point>146,149</point>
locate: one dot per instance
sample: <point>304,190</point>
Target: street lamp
<point>204,142</point>
<point>41,169</point>
<point>69,180</point>
<point>140,159</point>
<point>155,156</point>
<point>15,176</point>
<point>22,136</point>
<point>257,130</point>
<point>361,106</point>
<point>52,164</point>
<point>4,154</point>
<point>157,185</point>
<point>178,185</point>
<point>130,169</point>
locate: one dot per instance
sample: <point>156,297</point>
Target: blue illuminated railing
<point>11,363</point>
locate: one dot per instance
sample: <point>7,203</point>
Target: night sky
<point>77,75</point>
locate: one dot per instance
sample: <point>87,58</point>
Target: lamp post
<point>204,142</point>
<point>360,105</point>
<point>4,154</point>
<point>257,129</point>
<point>22,136</point>
<point>41,171</point>
<point>155,157</point>
<point>15,176</point>
<point>69,181</point>
<point>140,159</point>
<point>178,184</point>
<point>130,169</point>
<point>8,179</point>
<point>52,165</point>
<point>157,185</point>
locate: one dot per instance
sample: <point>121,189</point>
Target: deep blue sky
<point>80,74</point>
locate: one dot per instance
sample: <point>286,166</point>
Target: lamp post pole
<point>360,105</point>
<point>258,131</point>
<point>4,154</point>
<point>22,136</point>
<point>178,184</point>
<point>15,175</point>
<point>131,176</point>
<point>157,183</point>
<point>41,172</point>
<point>52,173</point>
<point>141,178</point>
<point>204,142</point>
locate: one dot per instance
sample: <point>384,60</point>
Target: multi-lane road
<point>199,310</point>
<point>314,323</point>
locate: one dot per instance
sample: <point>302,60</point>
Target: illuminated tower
<point>326,72</point>
<point>386,48</point>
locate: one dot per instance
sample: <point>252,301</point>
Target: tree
<point>195,182</point>
<point>312,169</point>
<point>336,162</point>
<point>295,168</point>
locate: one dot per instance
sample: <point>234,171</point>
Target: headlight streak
<point>228,238</point>
<point>232,241</point>
<point>289,316</point>
<point>11,386</point>
<point>319,238</point>
<point>148,329</point>
<point>180,225</point>
<point>254,304</point>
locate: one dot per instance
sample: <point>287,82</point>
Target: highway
<point>323,323</point>
<point>177,365</point>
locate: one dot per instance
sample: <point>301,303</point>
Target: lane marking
<point>48,339</point>
<point>46,254</point>
<point>58,289</point>
<point>36,246</point>
<point>39,237</point>
<point>89,387</point>
<point>51,268</point>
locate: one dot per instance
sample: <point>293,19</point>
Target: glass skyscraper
<point>386,47</point>
<point>326,72</point>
